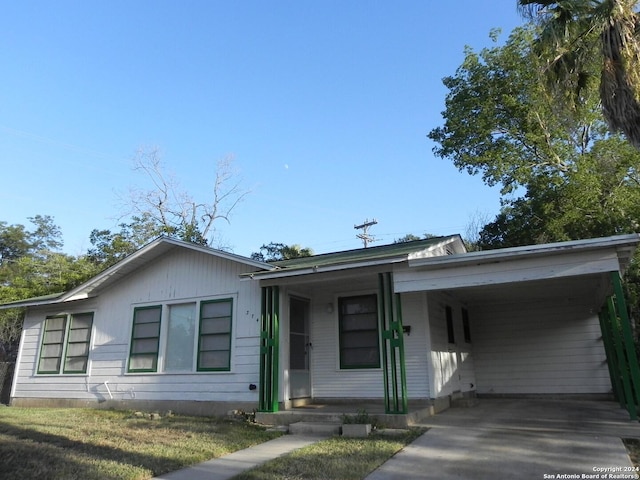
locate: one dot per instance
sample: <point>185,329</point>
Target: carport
<point>544,319</point>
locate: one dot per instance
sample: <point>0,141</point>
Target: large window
<point>173,338</point>
<point>65,344</point>
<point>178,355</point>
<point>359,339</point>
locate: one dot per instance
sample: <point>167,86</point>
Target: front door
<point>299,345</point>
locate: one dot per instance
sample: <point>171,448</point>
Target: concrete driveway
<point>523,439</point>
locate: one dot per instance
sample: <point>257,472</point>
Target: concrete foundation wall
<point>204,409</point>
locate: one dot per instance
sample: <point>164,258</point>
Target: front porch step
<point>318,428</point>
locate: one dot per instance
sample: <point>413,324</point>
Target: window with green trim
<point>78,341</point>
<point>214,339</point>
<point>358,330</point>
<point>145,339</point>
<point>65,344</point>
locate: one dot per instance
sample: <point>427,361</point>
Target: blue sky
<point>325,105</point>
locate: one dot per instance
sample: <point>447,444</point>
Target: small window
<point>78,342</point>
<point>451,338</point>
<point>465,325</point>
<point>66,337</point>
<point>145,339</point>
<point>359,343</point>
<point>214,340</point>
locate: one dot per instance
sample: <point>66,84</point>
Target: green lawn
<point>336,458</point>
<point>86,444</point>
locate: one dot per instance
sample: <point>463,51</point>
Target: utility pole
<point>364,236</point>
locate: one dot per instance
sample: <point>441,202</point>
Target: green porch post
<point>612,357</point>
<point>393,358</point>
<point>620,360</point>
<point>269,349</point>
<point>627,341</point>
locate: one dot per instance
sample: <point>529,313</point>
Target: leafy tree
<point>575,180</point>
<point>111,247</point>
<point>410,237</point>
<point>500,121</point>
<point>31,265</point>
<point>273,252</point>
<point>14,242</point>
<point>574,35</point>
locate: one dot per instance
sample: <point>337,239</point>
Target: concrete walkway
<point>524,439</point>
<point>226,467</point>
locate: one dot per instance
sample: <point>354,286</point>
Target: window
<point>214,342</point>
<point>66,337</point>
<point>78,341</point>
<point>145,339</point>
<point>450,332</point>
<point>359,343</point>
<point>465,325</point>
<point>181,329</point>
<point>173,338</point>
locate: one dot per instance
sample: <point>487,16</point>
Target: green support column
<point>612,357</point>
<point>627,340</point>
<point>393,361</point>
<point>269,349</point>
<point>620,360</point>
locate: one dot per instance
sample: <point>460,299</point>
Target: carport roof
<point>624,245</point>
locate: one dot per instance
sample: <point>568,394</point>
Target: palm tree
<point>574,36</point>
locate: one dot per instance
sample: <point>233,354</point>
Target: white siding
<point>452,365</point>
<point>416,345</point>
<point>183,275</point>
<point>328,380</point>
<point>529,348</point>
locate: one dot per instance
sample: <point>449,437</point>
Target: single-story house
<point>193,329</point>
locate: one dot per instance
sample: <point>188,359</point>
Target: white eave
<point>136,260</point>
<point>293,272</point>
<point>624,246</point>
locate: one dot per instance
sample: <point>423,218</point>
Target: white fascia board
<point>503,254</point>
<point>283,273</point>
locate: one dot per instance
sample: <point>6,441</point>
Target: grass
<point>44,444</point>
<point>335,458</point>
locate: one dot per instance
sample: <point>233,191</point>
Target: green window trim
<point>52,344</point>
<point>78,343</point>
<point>65,345</point>
<point>214,335</point>
<point>359,332</point>
<point>145,339</point>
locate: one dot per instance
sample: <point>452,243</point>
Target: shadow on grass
<point>26,454</point>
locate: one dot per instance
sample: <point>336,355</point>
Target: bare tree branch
<point>174,211</point>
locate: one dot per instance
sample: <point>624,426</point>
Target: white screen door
<point>299,345</point>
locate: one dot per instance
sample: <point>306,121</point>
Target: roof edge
<point>555,248</point>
